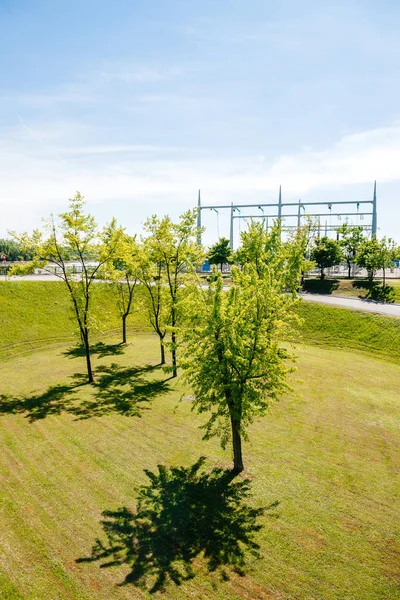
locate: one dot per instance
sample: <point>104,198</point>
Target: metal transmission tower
<point>276,210</point>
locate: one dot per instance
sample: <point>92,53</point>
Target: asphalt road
<point>390,310</point>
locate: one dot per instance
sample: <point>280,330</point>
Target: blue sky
<point>139,104</point>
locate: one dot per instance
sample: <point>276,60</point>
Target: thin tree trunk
<point>237,446</point>
<point>349,270</point>
<point>173,354</point>
<point>384,278</point>
<point>124,328</point>
<point>322,276</point>
<point>88,357</point>
<point>162,351</point>
<point>173,342</point>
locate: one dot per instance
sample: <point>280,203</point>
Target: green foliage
<point>173,248</point>
<point>220,253</point>
<point>377,254</point>
<point>157,297</point>
<point>120,268</point>
<point>15,251</point>
<point>326,253</point>
<point>72,241</point>
<point>265,250</point>
<point>232,343</point>
<point>350,242</point>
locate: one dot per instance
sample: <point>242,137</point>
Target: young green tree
<point>233,347</point>
<point>151,274</point>
<point>377,254</point>
<point>120,268</point>
<point>326,253</point>
<point>174,247</point>
<point>350,242</point>
<point>220,253</point>
<point>72,245</point>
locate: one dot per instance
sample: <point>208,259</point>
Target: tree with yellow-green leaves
<point>72,247</point>
<point>175,254</point>
<point>120,268</point>
<point>234,344</point>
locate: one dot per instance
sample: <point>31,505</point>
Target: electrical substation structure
<point>294,214</point>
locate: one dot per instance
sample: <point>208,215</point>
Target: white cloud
<point>139,74</point>
<point>33,182</point>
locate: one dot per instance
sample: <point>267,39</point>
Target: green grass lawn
<point>324,465</point>
<point>338,327</point>
<point>38,313</point>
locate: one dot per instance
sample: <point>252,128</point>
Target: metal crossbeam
<point>233,208</point>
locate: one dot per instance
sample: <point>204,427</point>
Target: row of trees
<point>351,247</point>
<point>354,248</point>
<point>14,251</point>
<point>230,345</point>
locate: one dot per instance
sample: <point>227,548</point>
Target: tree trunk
<point>384,278</point>
<point>173,354</point>
<point>322,276</point>
<point>349,269</point>
<point>162,351</point>
<point>85,336</point>
<point>124,328</point>
<point>173,343</point>
<point>237,446</point>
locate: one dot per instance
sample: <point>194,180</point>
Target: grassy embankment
<point>329,457</point>
<point>43,309</point>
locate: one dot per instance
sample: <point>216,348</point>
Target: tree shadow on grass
<point>320,286</point>
<point>374,290</point>
<point>125,391</point>
<point>100,349</point>
<point>56,399</point>
<point>182,514</point>
<point>121,390</point>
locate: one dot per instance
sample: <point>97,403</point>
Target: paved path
<point>390,310</point>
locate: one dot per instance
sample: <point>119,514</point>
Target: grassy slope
<point>343,328</point>
<point>38,314</point>
<point>330,457</point>
<point>43,309</point>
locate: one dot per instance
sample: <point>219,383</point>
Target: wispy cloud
<point>38,183</point>
<point>96,85</point>
<point>131,74</point>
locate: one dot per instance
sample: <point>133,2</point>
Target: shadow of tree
<point>117,389</point>
<point>100,349</point>
<point>320,286</point>
<point>53,401</point>
<point>121,390</point>
<point>375,291</point>
<point>182,514</point>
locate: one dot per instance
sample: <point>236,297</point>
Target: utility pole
<point>231,228</point>
<point>374,227</point>
<point>280,203</point>
<point>199,220</point>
